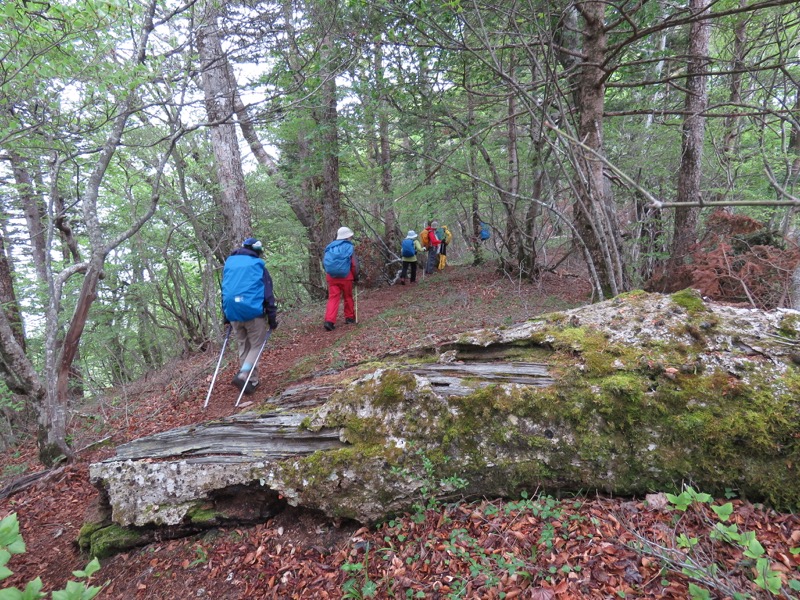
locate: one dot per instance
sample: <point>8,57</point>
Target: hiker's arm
<point>270,309</point>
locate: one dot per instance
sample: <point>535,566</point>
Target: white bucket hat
<point>344,233</point>
<point>411,235</point>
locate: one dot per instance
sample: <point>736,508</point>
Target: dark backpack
<point>408,249</point>
<point>337,258</point>
<point>485,233</point>
<point>243,288</point>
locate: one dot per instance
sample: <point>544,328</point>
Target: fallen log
<point>640,393</point>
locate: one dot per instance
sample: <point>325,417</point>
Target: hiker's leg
<point>413,271</point>
<point>349,305</point>
<point>405,270</point>
<point>242,345</point>
<point>256,332</point>
<point>429,266</point>
<point>334,294</point>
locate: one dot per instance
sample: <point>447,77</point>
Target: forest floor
<point>537,547</point>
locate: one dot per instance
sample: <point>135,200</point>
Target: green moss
<point>633,295</point>
<point>364,431</point>
<point>393,388</point>
<point>109,540</point>
<point>202,515</point>
<point>690,301</point>
<point>790,326</point>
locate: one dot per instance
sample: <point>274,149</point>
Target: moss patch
<point>690,301</point>
<point>108,540</point>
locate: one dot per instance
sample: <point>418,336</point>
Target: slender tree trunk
<point>391,229</point>
<point>692,137</point>
<point>475,240</point>
<point>595,217</point>
<point>33,209</point>
<point>8,297</point>
<point>793,176</point>
<point>513,242</point>
<point>329,124</point>
<point>219,96</point>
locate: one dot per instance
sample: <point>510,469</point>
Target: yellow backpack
<point>423,238</point>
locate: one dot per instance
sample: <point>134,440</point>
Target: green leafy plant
<point>358,588</point>
<point>11,543</point>
<point>695,559</point>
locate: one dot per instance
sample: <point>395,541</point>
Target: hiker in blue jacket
<point>341,273</point>
<point>249,306</point>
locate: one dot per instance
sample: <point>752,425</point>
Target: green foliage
<point>11,543</point>
<point>698,565</point>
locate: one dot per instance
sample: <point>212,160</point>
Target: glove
<point>273,324</point>
<point>225,320</point>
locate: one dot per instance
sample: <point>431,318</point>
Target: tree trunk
<point>219,96</point>
<point>33,209</point>
<point>475,218</point>
<point>595,217</point>
<point>329,125</point>
<point>692,137</point>
<point>8,297</point>
<point>391,229</point>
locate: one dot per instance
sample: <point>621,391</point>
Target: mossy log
<point>641,393</point>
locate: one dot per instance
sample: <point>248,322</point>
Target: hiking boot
<point>402,282</point>
<point>349,321</point>
<point>239,379</point>
<point>250,387</point>
<point>329,326</point>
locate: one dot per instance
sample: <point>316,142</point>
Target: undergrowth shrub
<point>737,260</point>
<point>11,543</point>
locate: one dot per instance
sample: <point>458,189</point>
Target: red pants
<point>338,288</point>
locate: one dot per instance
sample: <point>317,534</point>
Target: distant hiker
<point>445,237</point>
<point>431,243</point>
<point>485,233</point>
<point>249,306</point>
<point>341,271</point>
<point>408,251</point>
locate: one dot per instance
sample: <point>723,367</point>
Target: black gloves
<point>273,323</point>
<point>225,320</point>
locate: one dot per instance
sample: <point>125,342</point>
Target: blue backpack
<point>485,233</point>
<point>243,288</point>
<point>408,249</point>
<point>337,258</point>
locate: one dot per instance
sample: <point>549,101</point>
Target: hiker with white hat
<point>408,252</point>
<point>341,272</point>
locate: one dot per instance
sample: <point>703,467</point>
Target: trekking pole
<point>250,372</point>
<point>219,362</point>
<point>356,304</point>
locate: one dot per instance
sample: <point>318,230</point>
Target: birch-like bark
<point>219,97</point>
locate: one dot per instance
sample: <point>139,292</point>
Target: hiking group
<point>248,302</point>
<point>434,240</point>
